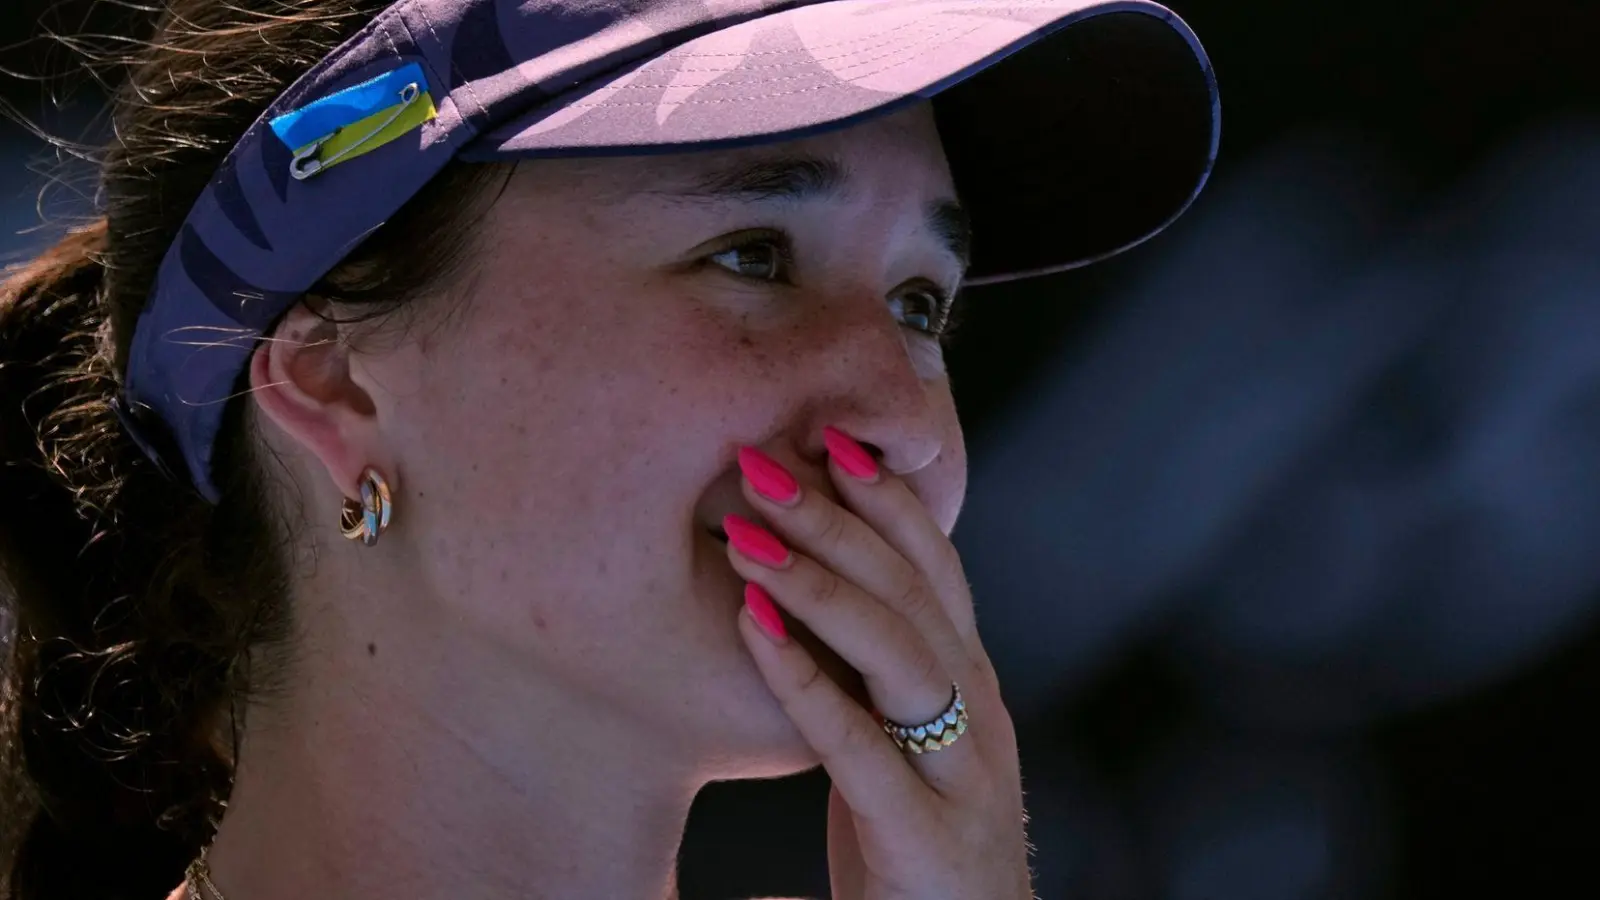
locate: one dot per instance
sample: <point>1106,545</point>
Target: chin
<point>760,740</point>
<point>757,738</point>
<point>777,763</point>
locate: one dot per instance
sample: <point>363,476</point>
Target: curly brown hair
<point>140,619</point>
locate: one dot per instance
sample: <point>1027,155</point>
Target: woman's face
<point>564,444</point>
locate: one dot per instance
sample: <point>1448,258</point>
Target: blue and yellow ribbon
<point>356,120</point>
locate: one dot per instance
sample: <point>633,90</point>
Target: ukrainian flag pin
<point>356,120</point>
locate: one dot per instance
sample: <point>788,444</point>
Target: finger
<point>904,677</point>
<point>867,769</point>
<point>885,503</point>
<point>842,542</point>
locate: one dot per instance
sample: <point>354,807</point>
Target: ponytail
<point>109,793</point>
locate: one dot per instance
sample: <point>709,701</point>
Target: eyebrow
<point>796,179</point>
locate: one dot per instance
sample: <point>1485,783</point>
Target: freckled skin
<point>559,442</point>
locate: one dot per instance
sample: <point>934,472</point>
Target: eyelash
<point>944,311</point>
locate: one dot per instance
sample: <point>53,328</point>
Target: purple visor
<point>1074,129</point>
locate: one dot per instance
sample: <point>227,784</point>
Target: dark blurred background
<point>1284,527</point>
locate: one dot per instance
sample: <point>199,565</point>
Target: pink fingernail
<point>851,456</point>
<point>768,476</point>
<point>755,542</point>
<point>759,602</point>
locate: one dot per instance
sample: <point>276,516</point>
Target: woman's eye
<point>763,260</point>
<point>920,309</point>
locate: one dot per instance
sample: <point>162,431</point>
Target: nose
<point>864,381</point>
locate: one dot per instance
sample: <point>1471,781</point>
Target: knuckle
<point>925,665</point>
<point>913,601</point>
<point>842,734</point>
<point>831,527</point>
<point>826,588</point>
<point>857,730</point>
<point>813,681</point>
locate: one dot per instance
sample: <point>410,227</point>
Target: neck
<point>383,775</point>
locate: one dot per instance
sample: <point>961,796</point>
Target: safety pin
<point>305,164</point>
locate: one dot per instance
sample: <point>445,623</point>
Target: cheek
<point>521,450</point>
<point>558,419</point>
<point>561,413</point>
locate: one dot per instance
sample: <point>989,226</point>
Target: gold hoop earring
<point>366,521</point>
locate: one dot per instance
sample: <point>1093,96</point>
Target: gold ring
<point>934,735</point>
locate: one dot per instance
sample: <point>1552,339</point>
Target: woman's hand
<point>878,581</point>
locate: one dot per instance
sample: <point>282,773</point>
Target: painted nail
<point>764,612</point>
<point>851,456</point>
<point>755,542</point>
<point>768,476</point>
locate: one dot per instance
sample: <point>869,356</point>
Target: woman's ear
<point>301,380</point>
